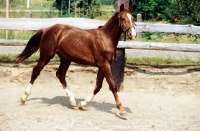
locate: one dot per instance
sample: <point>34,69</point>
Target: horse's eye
<point>122,19</point>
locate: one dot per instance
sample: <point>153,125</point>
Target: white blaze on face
<point>133,31</point>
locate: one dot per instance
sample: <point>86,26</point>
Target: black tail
<point>32,46</point>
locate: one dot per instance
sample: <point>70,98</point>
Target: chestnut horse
<point>91,47</point>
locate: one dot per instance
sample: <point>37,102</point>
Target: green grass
<point>154,61</point>
<point>108,7</point>
<point>171,38</point>
<point>10,58</point>
<point>149,37</point>
<point>165,61</point>
<point>105,16</point>
<point>21,4</point>
<point>17,34</point>
<point>35,5</point>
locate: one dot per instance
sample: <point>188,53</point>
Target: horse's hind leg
<point>61,73</point>
<point>99,81</point>
<point>35,73</point>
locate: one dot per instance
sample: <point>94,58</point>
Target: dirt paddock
<point>156,99</point>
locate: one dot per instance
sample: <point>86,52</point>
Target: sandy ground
<point>156,99</point>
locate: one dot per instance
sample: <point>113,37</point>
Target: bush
<point>79,8</point>
<point>174,11</point>
<point>185,11</point>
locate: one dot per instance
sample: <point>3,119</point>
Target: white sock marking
<point>27,92</point>
<point>69,94</point>
<point>87,101</point>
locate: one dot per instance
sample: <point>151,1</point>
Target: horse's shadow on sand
<point>64,101</point>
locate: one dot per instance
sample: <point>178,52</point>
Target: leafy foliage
<point>151,9</point>
<point>186,11</point>
<point>171,38</point>
<point>175,11</point>
<point>107,2</point>
<point>80,8</point>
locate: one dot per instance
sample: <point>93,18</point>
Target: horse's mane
<point>116,13</point>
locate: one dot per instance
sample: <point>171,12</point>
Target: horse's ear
<point>130,8</point>
<point>121,7</point>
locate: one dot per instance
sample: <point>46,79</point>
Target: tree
<point>80,8</point>
<point>177,11</point>
<point>151,9</point>
<point>107,2</point>
<point>185,11</point>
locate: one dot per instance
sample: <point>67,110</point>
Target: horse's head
<point>126,21</point>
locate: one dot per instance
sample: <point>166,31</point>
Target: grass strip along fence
<point>153,61</point>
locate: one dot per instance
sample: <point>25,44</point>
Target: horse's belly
<point>78,56</point>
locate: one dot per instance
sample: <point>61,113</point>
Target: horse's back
<point>75,44</point>
<point>85,46</point>
<point>78,45</point>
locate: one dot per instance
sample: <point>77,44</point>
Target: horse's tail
<point>32,46</point>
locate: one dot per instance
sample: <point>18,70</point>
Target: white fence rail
<point>27,11</point>
<point>35,24</point>
<point>38,23</point>
<point>168,28</point>
<point>129,45</point>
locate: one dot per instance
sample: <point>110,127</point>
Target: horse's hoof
<point>123,114</point>
<point>22,101</point>
<point>73,103</point>
<point>80,106</point>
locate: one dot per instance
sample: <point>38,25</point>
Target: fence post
<point>117,66</point>
<point>139,34</point>
<point>29,14</point>
<point>41,10</point>
<point>7,15</point>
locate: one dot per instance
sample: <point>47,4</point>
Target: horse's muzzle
<point>133,37</point>
<point>131,32</point>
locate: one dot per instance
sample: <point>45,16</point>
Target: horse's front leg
<point>99,81</point>
<point>108,75</point>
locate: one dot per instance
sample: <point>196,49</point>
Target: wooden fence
<point>128,45</point>
<point>35,24</point>
<point>38,23</point>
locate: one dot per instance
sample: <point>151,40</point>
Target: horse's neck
<point>112,29</point>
